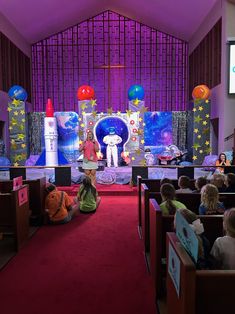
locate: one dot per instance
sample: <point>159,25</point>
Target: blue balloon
<point>17,92</point>
<point>136,92</point>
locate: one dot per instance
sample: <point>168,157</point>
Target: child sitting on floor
<point>223,249</point>
<point>88,196</point>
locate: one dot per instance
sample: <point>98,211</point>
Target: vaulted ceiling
<point>36,20</point>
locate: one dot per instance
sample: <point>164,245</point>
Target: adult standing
<point>90,160</point>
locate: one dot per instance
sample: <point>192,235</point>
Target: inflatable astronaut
<point>111,151</point>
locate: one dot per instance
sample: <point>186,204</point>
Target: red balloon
<point>201,92</point>
<point>85,92</point>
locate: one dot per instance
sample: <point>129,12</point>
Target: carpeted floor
<point>94,264</point>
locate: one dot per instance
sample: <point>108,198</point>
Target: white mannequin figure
<point>112,140</point>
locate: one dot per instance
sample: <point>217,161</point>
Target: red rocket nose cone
<point>49,108</point>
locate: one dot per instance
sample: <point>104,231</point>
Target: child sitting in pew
<point>210,204</point>
<point>169,204</point>
<point>199,183</point>
<point>184,185</point>
<point>219,181</point>
<point>223,249</point>
<point>205,261</point>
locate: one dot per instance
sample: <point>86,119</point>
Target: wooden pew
<point>191,201</point>
<point>201,291</point>
<point>14,218</point>
<point>154,186</point>
<point>36,196</point>
<point>159,226</point>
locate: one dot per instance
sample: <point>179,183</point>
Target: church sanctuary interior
<point>117,156</point>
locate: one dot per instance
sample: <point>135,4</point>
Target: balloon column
<point>17,129</point>
<point>201,123</point>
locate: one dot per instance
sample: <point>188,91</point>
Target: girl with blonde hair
<point>210,204</point>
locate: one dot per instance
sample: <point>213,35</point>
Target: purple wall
<point>77,56</point>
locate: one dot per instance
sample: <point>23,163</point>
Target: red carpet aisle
<point>93,265</point>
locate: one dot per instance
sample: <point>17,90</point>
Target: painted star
<point>20,136</point>
<point>9,109</point>
<point>207,101</point>
<point>80,133</point>
<point>94,113</point>
<point>200,108</point>
<point>23,120</point>
<point>83,113</point>
<point>10,127</point>
<point>22,112</point>
<point>16,164</point>
<point>207,143</point>
<point>16,102</point>
<point>143,162</point>
<point>138,151</point>
<point>110,111</point>
<point>196,146</point>
<point>93,102</point>
<point>136,102</point>
<point>119,113</point>
<point>83,106</point>
<point>207,115</point>
<point>80,142</point>
<point>208,150</point>
<point>142,141</point>
<point>133,158</point>
<point>82,125</point>
<point>197,119</point>
<point>22,127</point>
<point>140,132</point>
<point>12,141</point>
<point>13,121</point>
<point>195,130</point>
<point>140,119</point>
<point>128,112</point>
<point>23,145</point>
<point>144,124</point>
<point>200,151</point>
<point>194,157</point>
<point>194,109</point>
<point>206,131</point>
<point>199,136</point>
<point>143,109</point>
<point>204,122</point>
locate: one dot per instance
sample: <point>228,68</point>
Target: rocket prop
<point>51,135</point>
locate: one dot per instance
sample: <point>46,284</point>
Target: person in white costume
<point>112,151</point>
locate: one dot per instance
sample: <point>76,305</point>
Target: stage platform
<point>109,176</point>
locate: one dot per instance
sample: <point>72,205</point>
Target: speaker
<point>139,171</point>
<point>62,176</point>
<point>17,172</point>
<point>186,171</point>
<point>229,169</point>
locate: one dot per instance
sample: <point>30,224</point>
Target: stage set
<point>129,141</point>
